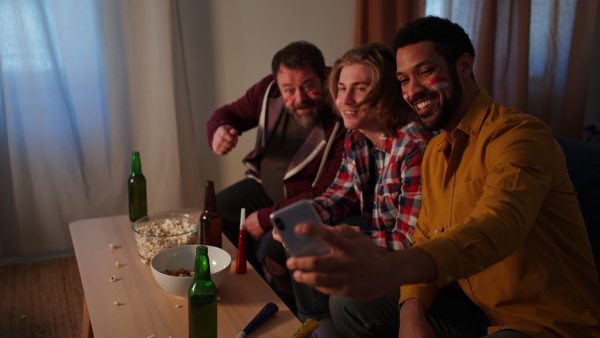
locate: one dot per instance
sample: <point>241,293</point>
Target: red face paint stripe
<point>438,82</point>
<point>315,95</point>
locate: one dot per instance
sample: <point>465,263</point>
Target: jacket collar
<point>473,120</point>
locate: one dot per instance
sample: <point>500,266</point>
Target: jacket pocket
<point>466,195</point>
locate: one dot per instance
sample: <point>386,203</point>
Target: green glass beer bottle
<point>210,219</point>
<point>136,187</point>
<point>202,299</point>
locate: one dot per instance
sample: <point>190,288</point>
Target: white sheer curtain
<point>83,83</point>
<point>541,52</point>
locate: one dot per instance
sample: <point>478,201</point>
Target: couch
<point>583,164</point>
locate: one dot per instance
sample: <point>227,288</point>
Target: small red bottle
<point>240,264</point>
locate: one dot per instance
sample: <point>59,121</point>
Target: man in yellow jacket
<point>500,244</point>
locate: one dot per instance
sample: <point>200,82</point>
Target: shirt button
<point>449,278</point>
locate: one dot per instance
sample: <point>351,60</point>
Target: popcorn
<point>155,237</point>
<point>113,278</point>
<point>112,246</point>
<point>117,303</point>
<point>177,306</point>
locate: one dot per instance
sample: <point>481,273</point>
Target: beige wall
<point>239,39</point>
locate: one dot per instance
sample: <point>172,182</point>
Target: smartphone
<point>286,219</point>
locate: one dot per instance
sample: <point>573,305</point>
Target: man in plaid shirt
<point>390,207</point>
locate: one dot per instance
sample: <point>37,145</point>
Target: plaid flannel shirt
<point>391,217</point>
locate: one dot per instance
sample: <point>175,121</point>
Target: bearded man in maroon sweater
<point>298,150</point>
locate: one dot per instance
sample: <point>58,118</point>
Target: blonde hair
<point>385,94</point>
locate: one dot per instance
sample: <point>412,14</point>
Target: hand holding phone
<point>286,219</point>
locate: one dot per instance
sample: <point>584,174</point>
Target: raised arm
<point>240,115</point>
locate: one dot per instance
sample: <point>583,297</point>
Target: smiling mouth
<point>304,109</point>
<point>421,103</point>
<point>424,104</point>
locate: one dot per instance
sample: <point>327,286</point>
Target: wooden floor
<point>41,299</point>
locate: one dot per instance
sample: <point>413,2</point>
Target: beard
<point>433,122</point>
<point>308,119</point>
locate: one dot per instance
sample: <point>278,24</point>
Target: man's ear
<point>464,65</point>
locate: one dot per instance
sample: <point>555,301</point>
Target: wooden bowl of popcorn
<point>158,232</point>
<point>173,268</point>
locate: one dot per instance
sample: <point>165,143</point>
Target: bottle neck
<point>202,269</point>
<point>136,163</point>
<point>210,201</point>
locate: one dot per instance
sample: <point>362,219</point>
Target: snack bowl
<point>158,232</point>
<point>184,257</point>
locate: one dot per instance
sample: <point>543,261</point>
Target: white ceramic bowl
<point>185,257</point>
<point>159,232</point>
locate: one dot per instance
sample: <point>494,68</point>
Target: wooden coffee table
<point>145,308</point>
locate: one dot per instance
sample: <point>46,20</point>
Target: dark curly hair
<point>384,94</point>
<point>450,39</point>
<point>297,55</point>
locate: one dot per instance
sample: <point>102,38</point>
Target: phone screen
<point>286,219</point>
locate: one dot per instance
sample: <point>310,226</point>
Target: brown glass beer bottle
<point>210,220</point>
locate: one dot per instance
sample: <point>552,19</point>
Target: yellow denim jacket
<point>500,216</point>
